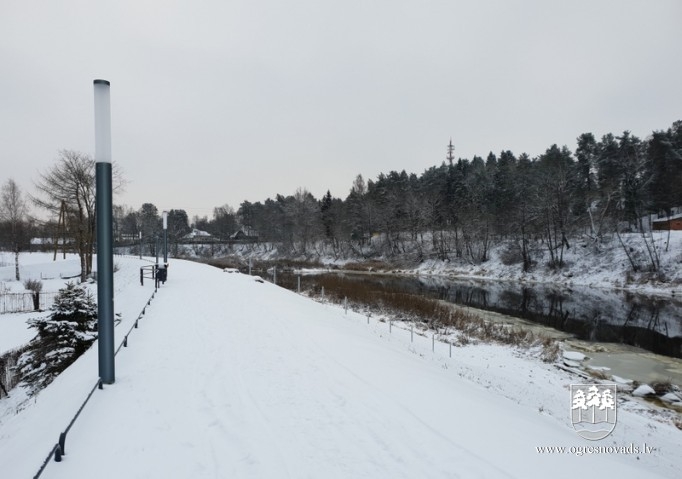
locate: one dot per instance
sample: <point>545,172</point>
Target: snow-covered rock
<point>574,356</point>
<point>671,398</point>
<point>620,380</point>
<point>643,391</point>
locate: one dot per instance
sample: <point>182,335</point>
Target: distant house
<point>673,223</point>
<point>50,241</point>
<point>198,236</point>
<point>128,238</point>
<point>240,237</point>
<point>48,244</point>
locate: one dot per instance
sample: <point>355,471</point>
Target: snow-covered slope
<point>604,264</point>
<point>229,376</point>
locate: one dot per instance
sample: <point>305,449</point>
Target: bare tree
<point>13,211</point>
<point>71,183</point>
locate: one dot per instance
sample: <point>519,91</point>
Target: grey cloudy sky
<point>221,101</point>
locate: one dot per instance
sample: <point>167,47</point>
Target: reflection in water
<point>590,314</point>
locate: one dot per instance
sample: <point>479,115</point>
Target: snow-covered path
<point>231,377</point>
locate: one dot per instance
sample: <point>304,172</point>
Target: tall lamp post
<point>105,251</point>
<point>165,237</point>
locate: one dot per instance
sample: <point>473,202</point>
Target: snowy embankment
<point>230,376</point>
<point>606,264</point>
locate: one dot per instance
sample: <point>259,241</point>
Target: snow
<point>229,376</point>
<point>14,331</point>
<point>574,355</point>
<point>621,380</point>
<point>644,390</point>
<point>671,398</point>
<point>603,265</point>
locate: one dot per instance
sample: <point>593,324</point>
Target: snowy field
<point>36,266</point>
<point>228,376</point>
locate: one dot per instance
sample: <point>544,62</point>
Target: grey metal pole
<point>105,251</point>
<point>140,244</point>
<point>165,237</point>
<point>156,250</point>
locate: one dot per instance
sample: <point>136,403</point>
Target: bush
<point>511,254</point>
<point>34,285</point>
<point>62,337</point>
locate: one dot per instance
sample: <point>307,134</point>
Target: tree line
<point>457,209</point>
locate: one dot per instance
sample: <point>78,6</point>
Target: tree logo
<point>593,410</point>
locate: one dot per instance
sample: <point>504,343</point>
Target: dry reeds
<point>376,294</point>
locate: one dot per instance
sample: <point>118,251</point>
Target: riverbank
<point>646,264</point>
<point>556,327</point>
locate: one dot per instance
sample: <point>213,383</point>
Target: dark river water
<point>605,316</point>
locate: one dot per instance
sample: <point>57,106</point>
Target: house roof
<point>668,218</point>
<point>195,233</point>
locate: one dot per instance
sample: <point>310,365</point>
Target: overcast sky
<point>219,101</point>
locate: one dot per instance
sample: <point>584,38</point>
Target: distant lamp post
<point>165,237</point>
<point>156,248</point>
<point>105,251</point>
<point>140,244</point>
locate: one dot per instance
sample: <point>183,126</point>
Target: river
<point>634,335</point>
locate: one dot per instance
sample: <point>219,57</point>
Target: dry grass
<point>369,265</point>
<point>432,313</point>
<point>662,387</point>
<point>598,374</point>
<point>243,264</point>
<point>677,423</point>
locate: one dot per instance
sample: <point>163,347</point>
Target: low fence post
<point>62,442</point>
<point>3,388</point>
<point>57,454</point>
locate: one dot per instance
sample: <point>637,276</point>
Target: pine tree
<point>62,336</point>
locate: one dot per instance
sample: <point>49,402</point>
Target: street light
<point>165,237</point>
<point>105,251</point>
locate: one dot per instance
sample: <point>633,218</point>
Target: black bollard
<point>62,442</point>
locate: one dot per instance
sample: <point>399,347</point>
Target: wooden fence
<point>9,375</point>
<point>25,302</point>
